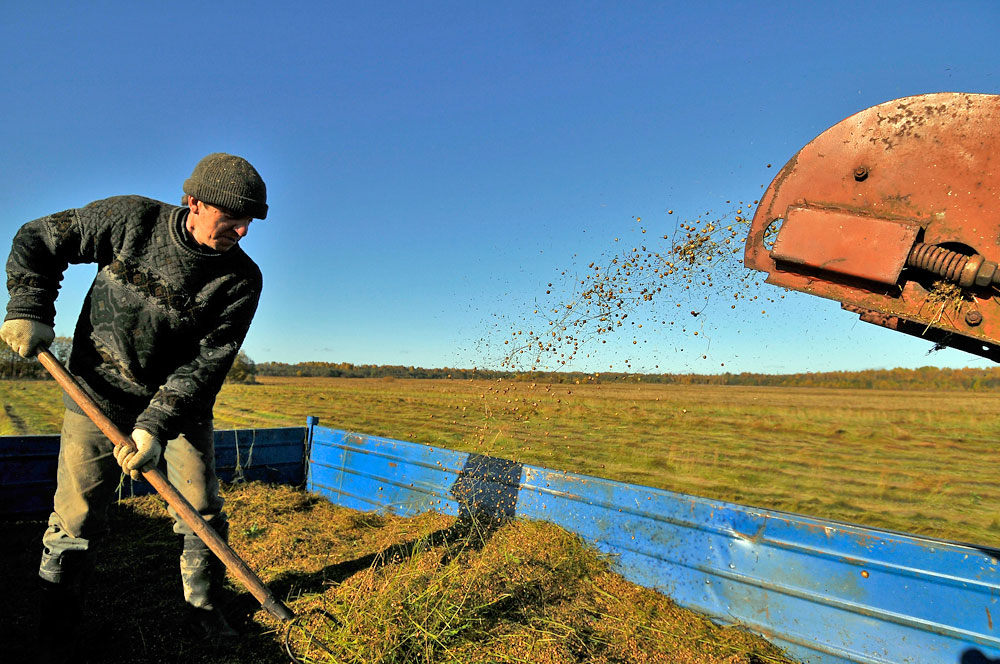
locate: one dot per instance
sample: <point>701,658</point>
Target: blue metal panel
<point>369,473</point>
<point>267,455</point>
<point>829,592</point>
<point>27,474</point>
<point>28,465</point>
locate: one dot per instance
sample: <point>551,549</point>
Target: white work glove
<point>26,336</point>
<point>145,456</point>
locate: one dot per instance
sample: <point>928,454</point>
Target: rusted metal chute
<point>894,213</point>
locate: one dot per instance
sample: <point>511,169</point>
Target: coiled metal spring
<point>957,268</point>
<point>942,262</point>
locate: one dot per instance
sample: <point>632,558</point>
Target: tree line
<point>923,378</point>
<point>245,370</point>
<point>15,367</point>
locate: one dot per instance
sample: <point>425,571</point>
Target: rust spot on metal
<point>756,537</point>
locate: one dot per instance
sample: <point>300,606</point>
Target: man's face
<point>215,227</point>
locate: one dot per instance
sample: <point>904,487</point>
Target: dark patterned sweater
<point>163,320</point>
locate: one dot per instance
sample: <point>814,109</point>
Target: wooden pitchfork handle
<point>184,509</point>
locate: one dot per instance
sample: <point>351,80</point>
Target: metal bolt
<point>861,173</point>
<point>973,318</point>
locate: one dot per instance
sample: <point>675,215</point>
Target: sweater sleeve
<point>193,386</point>
<point>42,249</point>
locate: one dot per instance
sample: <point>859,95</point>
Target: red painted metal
<point>843,242</point>
<point>872,187</point>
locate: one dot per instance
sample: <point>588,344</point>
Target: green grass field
<point>914,461</point>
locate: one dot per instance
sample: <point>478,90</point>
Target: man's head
<point>224,193</point>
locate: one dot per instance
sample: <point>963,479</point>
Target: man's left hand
<point>25,336</point>
<point>145,456</point>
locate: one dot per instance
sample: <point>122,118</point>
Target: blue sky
<point>431,167</point>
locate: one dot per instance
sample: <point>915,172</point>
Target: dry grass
<point>425,589</point>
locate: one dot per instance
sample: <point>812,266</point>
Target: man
<point>160,327</point>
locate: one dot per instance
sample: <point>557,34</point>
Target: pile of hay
<point>423,589</point>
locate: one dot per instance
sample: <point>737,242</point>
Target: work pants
<point>88,478</point>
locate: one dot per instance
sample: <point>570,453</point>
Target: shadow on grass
<point>465,534</point>
<point>134,607</point>
<point>469,616</point>
<point>485,491</point>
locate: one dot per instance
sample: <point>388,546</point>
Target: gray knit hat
<point>229,182</point>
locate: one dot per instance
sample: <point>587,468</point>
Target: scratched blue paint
<point>28,465</point>
<point>828,592</point>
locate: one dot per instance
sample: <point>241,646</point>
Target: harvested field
<point>425,589</point>
<point>916,461</point>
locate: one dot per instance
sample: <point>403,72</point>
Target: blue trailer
<point>827,592</point>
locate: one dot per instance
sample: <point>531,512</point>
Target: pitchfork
<point>179,503</point>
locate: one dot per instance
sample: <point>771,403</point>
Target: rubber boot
<point>202,576</point>
<point>61,608</point>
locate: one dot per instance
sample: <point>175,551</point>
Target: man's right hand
<point>25,336</point>
<point>145,456</point>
